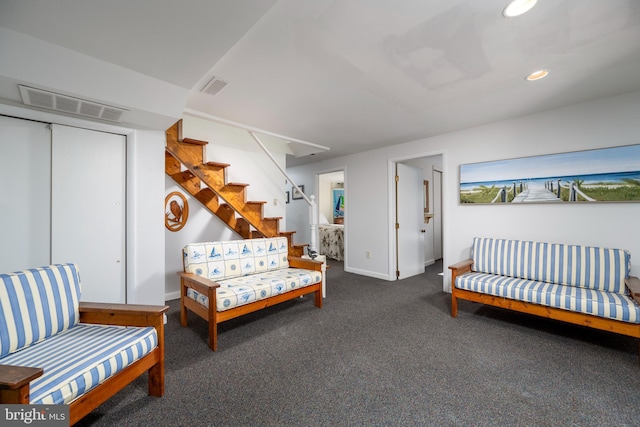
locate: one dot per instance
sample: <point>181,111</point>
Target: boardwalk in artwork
<point>536,194</point>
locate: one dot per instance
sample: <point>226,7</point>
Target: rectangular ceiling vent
<point>67,104</point>
<point>214,86</point>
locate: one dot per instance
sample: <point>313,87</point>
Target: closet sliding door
<point>25,171</point>
<point>88,216</point>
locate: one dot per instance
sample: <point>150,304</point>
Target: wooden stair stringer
<point>221,198</point>
<point>210,201</point>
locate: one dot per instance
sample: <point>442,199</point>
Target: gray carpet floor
<point>386,354</point>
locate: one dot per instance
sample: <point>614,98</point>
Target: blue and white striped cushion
<point>80,358</point>
<point>36,304</point>
<point>246,289</point>
<point>588,267</point>
<point>609,305</point>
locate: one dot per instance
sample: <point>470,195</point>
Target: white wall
<point>145,217</point>
<point>604,123</point>
<point>145,196</point>
<point>248,164</point>
<point>298,210</point>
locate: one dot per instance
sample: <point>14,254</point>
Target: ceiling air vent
<point>214,86</point>
<point>67,104</point>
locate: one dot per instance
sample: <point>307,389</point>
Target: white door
<point>25,194</point>
<point>409,221</point>
<point>88,209</point>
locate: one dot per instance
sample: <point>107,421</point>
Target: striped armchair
<point>71,352</point>
<point>579,284</point>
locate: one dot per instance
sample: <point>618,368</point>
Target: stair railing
<point>313,207</point>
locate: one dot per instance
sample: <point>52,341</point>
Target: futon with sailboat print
<point>246,270</point>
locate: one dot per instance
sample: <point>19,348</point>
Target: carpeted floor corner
<point>386,354</point>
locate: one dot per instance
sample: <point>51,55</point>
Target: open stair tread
<point>216,164</point>
<point>193,141</point>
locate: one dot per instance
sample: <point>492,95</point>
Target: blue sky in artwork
<point>607,160</point>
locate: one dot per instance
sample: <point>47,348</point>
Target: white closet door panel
<point>88,209</point>
<point>25,194</point>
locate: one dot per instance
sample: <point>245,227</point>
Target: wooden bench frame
<point>596,322</point>
<point>213,317</point>
<point>14,380</point>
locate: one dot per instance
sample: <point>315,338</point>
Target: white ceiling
<point>351,75</point>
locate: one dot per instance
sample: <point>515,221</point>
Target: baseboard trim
<point>367,273</point>
<point>172,295</point>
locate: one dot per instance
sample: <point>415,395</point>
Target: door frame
<point>391,203</point>
<point>342,169</point>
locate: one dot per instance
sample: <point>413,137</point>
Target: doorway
<point>332,218</point>
<point>430,195</point>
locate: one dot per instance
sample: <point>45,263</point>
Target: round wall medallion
<point>176,211</point>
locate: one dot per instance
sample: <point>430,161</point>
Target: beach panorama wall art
<point>590,176</point>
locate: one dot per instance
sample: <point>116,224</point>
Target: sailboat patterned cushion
<point>224,260</point>
<point>247,270</point>
<point>577,278</point>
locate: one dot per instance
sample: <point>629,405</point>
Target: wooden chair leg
<point>156,380</point>
<point>213,321</point>
<point>213,335</point>
<point>183,309</point>
<point>156,373</point>
<point>318,294</point>
<point>454,305</point>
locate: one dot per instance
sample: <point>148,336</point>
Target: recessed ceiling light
<point>537,75</point>
<point>518,7</point>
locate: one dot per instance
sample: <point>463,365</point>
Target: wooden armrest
<point>13,377</point>
<point>462,266</point>
<point>122,314</point>
<point>633,284</point>
<point>459,269</point>
<point>307,264</point>
<point>199,283</point>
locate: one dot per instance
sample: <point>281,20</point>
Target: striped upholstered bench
<point>584,285</point>
<point>56,350</point>
<point>226,279</point>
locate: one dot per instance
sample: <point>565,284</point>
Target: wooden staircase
<point>207,183</point>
